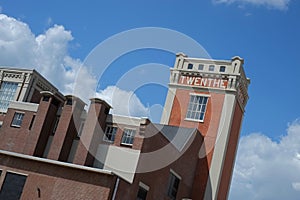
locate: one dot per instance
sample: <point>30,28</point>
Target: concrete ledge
<point>54,162</point>
<point>33,107</point>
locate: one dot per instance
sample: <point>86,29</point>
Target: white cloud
<point>273,4</point>
<point>266,169</point>
<point>123,102</point>
<point>48,54</point>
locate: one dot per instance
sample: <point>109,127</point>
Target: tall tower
<point>209,95</point>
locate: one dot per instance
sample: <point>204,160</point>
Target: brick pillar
<point>67,129</point>
<point>44,120</point>
<point>92,132</point>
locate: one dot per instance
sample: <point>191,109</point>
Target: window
<point>142,192</point>
<point>17,120</point>
<point>197,107</point>
<point>55,125</point>
<point>173,185</point>
<point>69,102</point>
<point>110,133</point>
<point>211,68</point>
<point>128,136</point>
<point>46,98</point>
<point>31,123</point>
<point>200,67</point>
<point>12,187</point>
<point>190,66</point>
<point>80,129</point>
<point>7,93</point>
<point>222,69</point>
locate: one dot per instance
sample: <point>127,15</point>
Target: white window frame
<point>204,112</point>
<point>16,122</point>
<point>131,136</point>
<point>110,127</point>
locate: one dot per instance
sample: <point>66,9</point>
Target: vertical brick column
<point>67,128</point>
<point>45,117</point>
<point>92,132</point>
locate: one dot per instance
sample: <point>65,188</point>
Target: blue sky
<point>265,33</point>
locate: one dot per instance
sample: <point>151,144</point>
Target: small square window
<point>190,66</point>
<point>110,133</point>
<point>211,68</point>
<point>222,69</point>
<point>17,120</point>
<point>173,186</point>
<point>200,67</point>
<point>128,136</point>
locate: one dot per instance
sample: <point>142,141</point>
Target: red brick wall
<point>66,131</point>
<point>12,138</point>
<point>58,182</point>
<point>92,133</point>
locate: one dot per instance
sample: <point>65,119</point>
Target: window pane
<point>211,68</point>
<point>222,69</point>
<point>7,93</point>
<point>142,194</point>
<point>190,66</point>
<point>13,186</point>
<point>110,133</point>
<point>128,136</point>
<point>173,186</point>
<point>200,67</point>
<point>197,107</point>
<point>17,120</point>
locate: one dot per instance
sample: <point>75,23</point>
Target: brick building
<point>52,148</point>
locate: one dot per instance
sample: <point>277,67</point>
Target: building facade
<point>52,148</point>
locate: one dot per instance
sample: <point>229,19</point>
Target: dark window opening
<point>142,194</point>
<point>55,125</point>
<point>106,111</point>
<point>190,66</point>
<point>173,186</point>
<point>222,69</point>
<point>32,121</point>
<point>55,102</point>
<point>46,98</point>
<point>69,102</point>
<point>12,187</point>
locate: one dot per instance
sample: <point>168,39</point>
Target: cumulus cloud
<point>267,169</point>
<point>48,54</point>
<point>273,4</point>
